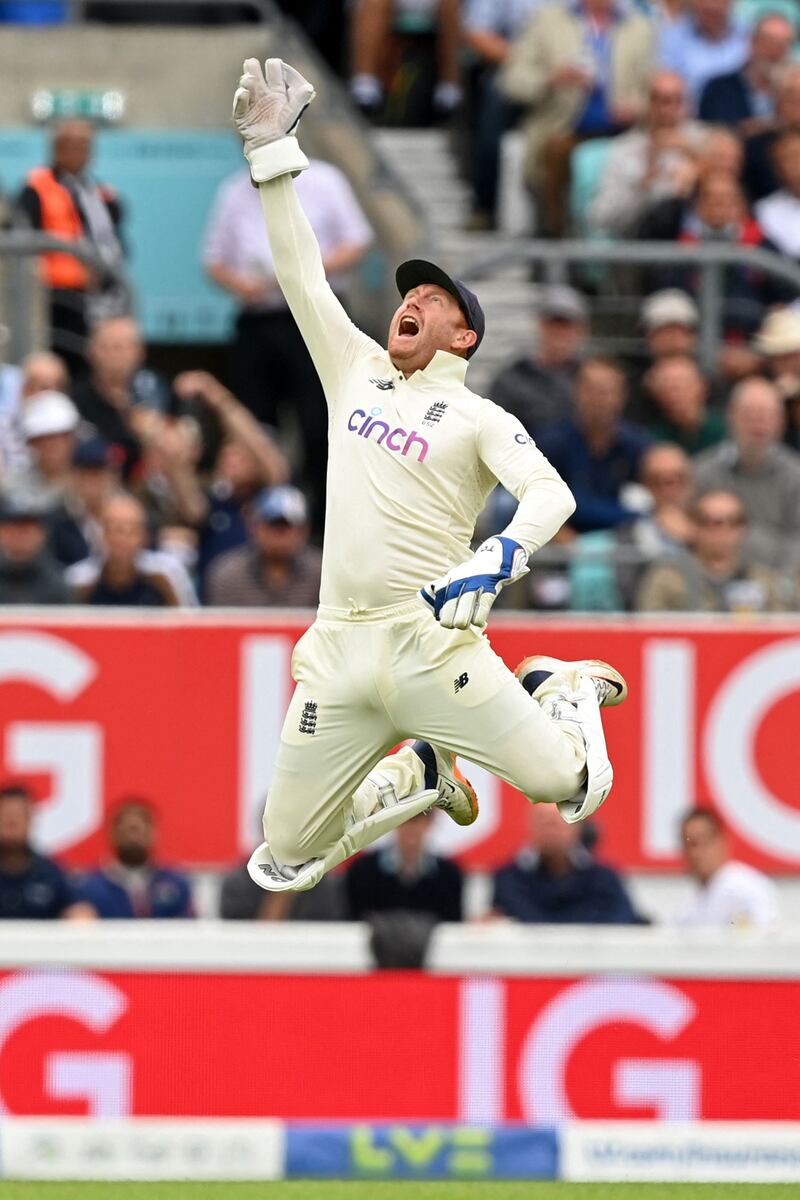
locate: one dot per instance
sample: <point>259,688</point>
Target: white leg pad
<point>269,875</point>
<point>599,774</point>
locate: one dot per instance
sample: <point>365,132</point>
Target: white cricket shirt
<point>411,461</point>
<point>735,895</point>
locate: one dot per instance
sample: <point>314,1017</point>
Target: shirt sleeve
<point>545,501</point>
<point>333,341</point>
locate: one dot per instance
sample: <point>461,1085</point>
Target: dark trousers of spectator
<point>69,328</point>
<point>554,177</point>
<point>271,371</point>
<point>496,115</point>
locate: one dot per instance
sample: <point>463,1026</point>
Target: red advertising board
<point>186,710</point>
<point>398,1047</point>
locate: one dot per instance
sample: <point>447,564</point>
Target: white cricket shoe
<point>457,796</point>
<point>609,685</point>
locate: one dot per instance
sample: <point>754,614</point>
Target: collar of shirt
<point>444,370</point>
<point>531,860</point>
<point>389,861</point>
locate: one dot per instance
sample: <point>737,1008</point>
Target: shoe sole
<point>595,667</point>
<point>472,796</point>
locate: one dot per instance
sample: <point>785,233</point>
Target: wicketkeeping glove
<point>465,595</point>
<point>267,106</point>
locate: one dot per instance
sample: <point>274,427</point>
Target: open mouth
<point>409,326</point>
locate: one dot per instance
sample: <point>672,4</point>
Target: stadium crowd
<point>122,486</point>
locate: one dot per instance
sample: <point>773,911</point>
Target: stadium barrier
<point>196,1019</point>
<point>712,710</point>
<point>67,1148</point>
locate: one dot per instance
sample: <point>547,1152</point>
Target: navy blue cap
<point>281,504</point>
<point>415,271</point>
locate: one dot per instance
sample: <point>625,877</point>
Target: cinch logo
<point>399,440</point>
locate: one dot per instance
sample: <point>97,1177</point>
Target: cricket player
<point>398,649</point>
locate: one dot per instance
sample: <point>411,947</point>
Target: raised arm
<point>267,109</point>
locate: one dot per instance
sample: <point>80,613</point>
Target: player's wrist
<point>273,159</point>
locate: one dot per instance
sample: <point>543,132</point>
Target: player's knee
<point>560,782</point>
<point>285,839</point>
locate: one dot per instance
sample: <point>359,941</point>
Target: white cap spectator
<point>49,413</point>
<point>779,334</point>
<point>561,303</point>
<point>281,504</point>
<point>670,306</point>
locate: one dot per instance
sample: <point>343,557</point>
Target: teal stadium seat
<point>587,165</point>
<point>167,182</point>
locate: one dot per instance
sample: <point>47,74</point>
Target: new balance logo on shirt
<point>384,385</point>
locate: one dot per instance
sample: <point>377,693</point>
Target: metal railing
<point>712,259</point>
<point>22,288</point>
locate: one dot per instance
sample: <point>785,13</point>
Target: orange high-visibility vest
<point>61,218</point>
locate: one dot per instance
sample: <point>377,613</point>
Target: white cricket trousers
<point>367,681</point>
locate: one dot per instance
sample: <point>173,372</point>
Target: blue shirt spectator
<point>704,42</point>
<point>556,881</point>
<point>132,885</point>
<point>596,452</point>
<point>32,887</point>
<point>404,876</point>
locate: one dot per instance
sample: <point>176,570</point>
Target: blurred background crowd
<point>663,385</point>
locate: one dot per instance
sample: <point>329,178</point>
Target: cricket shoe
<point>457,796</point>
<point>610,687</point>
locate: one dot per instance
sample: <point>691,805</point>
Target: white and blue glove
<point>465,595</point>
<point>267,107</point>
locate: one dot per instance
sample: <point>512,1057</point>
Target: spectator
<point>243,900</point>
<point>490,28</point>
<point>372,29</point>
<point>49,425</point>
<point>605,567</point>
<point>278,567</point>
<point>64,200</point>
<point>778,342</point>
<point>719,213</point>
<point>728,892</point>
<point>759,176</point>
<point>705,42</point>
<point>41,371</point>
<point>596,452</point>
<point>670,319</point>
<point>680,397</point>
<point>650,162</point>
<point>745,98</point>
<point>716,575</point>
<point>132,885</point>
<point>538,389</point>
<point>247,461</point>
<point>32,887</point>
<point>118,385</point>
<point>404,876</point>
<point>763,473</point>
<point>125,573</point>
<point>721,151</point>
<point>555,881</point>
<point>581,70</point>
<point>779,214</point>
<point>28,572</point>
<point>76,526</point>
<point>271,370</point>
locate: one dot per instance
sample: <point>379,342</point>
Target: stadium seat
<point>588,163</point>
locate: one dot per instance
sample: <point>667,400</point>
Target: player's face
<point>429,319</point>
